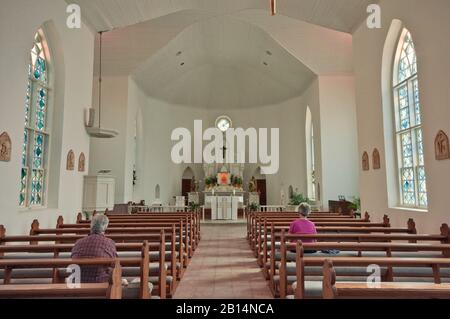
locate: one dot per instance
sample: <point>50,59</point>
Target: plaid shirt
<point>94,246</point>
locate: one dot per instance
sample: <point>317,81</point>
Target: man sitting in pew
<point>302,225</point>
<point>96,245</point>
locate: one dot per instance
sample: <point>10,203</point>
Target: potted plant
<point>296,200</point>
<point>356,206</point>
<point>253,207</point>
<point>193,207</point>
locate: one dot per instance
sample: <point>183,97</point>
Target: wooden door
<point>261,183</point>
<point>185,188</point>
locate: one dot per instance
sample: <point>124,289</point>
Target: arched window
<point>33,179</point>
<point>408,124</point>
<point>312,194</point>
<point>310,153</point>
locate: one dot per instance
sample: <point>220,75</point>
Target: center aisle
<point>223,267</point>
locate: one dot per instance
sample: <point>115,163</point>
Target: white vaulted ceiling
<point>341,15</point>
<point>233,53</point>
<point>223,63</point>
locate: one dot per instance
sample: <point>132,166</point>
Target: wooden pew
<point>435,264</point>
<point>272,234</point>
<point>111,290</point>
<point>142,262</point>
<point>193,220</point>
<point>170,231</point>
<point>442,238</point>
<point>255,221</point>
<point>187,230</point>
<point>270,225</point>
<point>123,243</point>
<point>384,290</point>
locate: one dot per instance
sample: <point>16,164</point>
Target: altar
<point>224,205</point>
<point>224,194</point>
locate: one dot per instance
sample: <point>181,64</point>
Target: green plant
<point>297,199</point>
<point>238,181</point>
<point>253,207</point>
<point>193,207</point>
<point>356,204</point>
<point>87,215</point>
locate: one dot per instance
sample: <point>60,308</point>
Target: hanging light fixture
<point>273,7</point>
<point>99,132</point>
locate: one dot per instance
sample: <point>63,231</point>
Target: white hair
<point>99,223</point>
<point>304,209</point>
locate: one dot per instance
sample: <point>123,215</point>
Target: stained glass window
<point>313,166</point>
<point>412,175</point>
<point>36,136</point>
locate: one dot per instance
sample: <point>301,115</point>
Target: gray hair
<point>99,223</point>
<point>304,209</point>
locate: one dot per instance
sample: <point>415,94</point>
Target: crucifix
<point>224,152</point>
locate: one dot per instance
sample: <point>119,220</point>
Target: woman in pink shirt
<point>303,225</point>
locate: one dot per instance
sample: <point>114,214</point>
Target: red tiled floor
<point>223,267</point>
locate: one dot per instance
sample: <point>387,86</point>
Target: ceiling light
<point>182,63</point>
<point>265,63</point>
<point>179,53</point>
<point>99,132</point>
<point>268,52</point>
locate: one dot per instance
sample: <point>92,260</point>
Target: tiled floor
<point>223,267</point>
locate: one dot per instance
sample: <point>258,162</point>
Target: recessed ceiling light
<point>265,63</point>
<point>182,63</point>
<point>179,53</point>
<point>268,52</point>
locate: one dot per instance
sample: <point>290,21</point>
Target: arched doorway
<point>186,182</point>
<point>261,186</point>
<point>291,192</point>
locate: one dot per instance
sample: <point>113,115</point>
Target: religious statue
<point>82,163</point>
<point>283,198</point>
<point>376,159</point>
<point>193,185</point>
<point>253,185</point>
<point>5,147</point>
<point>365,162</point>
<point>442,147</point>
<point>70,165</point>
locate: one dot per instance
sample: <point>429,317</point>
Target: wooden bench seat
<point>412,266</point>
<point>384,290</point>
<point>111,290</point>
<point>135,259</point>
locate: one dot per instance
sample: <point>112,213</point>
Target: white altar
<point>224,207</point>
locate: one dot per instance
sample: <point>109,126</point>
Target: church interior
<point>203,129</point>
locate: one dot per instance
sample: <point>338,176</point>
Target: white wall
<point>339,139</point>
<point>429,25</point>
<point>155,166</point>
<point>19,21</point>
<point>111,153</point>
<point>330,98</point>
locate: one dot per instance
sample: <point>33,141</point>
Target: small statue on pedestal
<point>252,185</point>
<point>194,185</point>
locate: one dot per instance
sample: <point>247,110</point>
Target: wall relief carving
<point>365,162</point>
<point>441,146</point>
<point>376,161</point>
<point>82,162</point>
<point>70,166</point>
<point>5,147</point>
